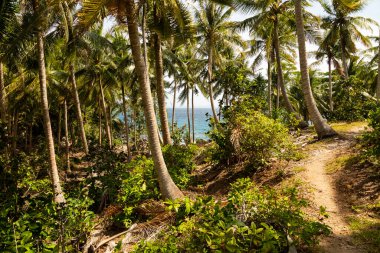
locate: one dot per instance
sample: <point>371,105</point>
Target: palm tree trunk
<point>3,110</point>
<point>280,75</point>
<point>344,59</point>
<point>188,113</point>
<point>174,101</point>
<point>110,122</point>
<point>59,129</point>
<point>126,122</point>
<point>58,193</point>
<point>210,91</point>
<point>14,132</point>
<point>270,86</point>
<point>192,112</point>
<point>167,186</point>
<point>65,119</point>
<point>135,129</point>
<point>322,128</point>
<point>108,128</point>
<point>78,109</point>
<point>378,74</point>
<point>100,125</point>
<point>161,90</point>
<point>331,104</point>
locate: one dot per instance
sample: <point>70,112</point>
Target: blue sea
<point>201,116</point>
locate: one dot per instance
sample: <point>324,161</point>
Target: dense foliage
<point>250,220</point>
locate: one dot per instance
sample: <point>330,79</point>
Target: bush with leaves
<point>252,220</point>
<point>372,138</point>
<point>247,134</point>
<point>352,101</point>
<point>180,162</point>
<point>30,221</point>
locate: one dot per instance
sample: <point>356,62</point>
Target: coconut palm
<point>7,17</point>
<point>90,12</point>
<point>322,128</point>
<point>169,19</point>
<point>344,28</point>
<point>214,35</point>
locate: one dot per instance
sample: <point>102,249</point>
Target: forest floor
<point>334,186</point>
<point>339,188</point>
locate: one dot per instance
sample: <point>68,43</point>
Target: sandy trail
<point>324,193</point>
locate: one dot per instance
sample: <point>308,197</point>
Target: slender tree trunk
<point>78,109</point>
<point>167,186</point>
<point>344,59</point>
<point>126,122</point>
<point>58,193</point>
<point>135,129</point>
<point>59,129</point>
<point>322,128</point>
<point>67,146</point>
<point>174,101</point>
<point>30,137</point>
<point>192,112</point>
<point>378,74</point>
<point>331,104</point>
<point>210,91</point>
<point>280,75</point>
<point>108,128</point>
<point>188,112</point>
<point>100,125</point>
<point>14,132</point>
<point>161,90</point>
<point>270,86</point>
<point>3,110</point>
<point>111,123</point>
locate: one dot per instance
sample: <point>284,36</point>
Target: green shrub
<point>372,138</point>
<point>247,134</point>
<point>251,221</point>
<point>180,162</point>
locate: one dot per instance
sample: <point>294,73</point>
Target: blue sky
<point>371,10</point>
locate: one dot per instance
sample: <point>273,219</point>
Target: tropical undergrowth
<point>252,219</point>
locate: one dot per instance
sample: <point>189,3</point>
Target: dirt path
<point>324,193</point>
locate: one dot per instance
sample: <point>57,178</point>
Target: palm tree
<point>215,34</point>
<point>58,193</point>
<point>378,73</point>
<point>330,52</point>
<point>7,17</point>
<point>344,28</point>
<point>322,128</point>
<point>90,12</point>
<point>170,19</point>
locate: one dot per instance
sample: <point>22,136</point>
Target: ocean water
<point>201,115</point>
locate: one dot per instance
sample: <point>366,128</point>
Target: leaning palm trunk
<point>210,91</point>
<point>270,86</point>
<point>322,128</point>
<point>378,74</point>
<point>66,138</point>
<point>331,104</point>
<point>3,110</point>
<point>188,113</point>
<point>280,75</point>
<point>126,123</point>
<point>168,188</point>
<point>192,113</point>
<point>108,128</point>
<point>174,98</point>
<point>78,109</point>
<point>58,194</point>
<point>161,90</point>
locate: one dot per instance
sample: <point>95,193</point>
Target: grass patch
<point>338,163</point>
<point>366,231</point>
<point>348,126</point>
<point>298,169</point>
